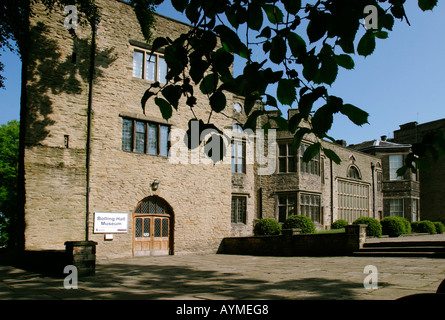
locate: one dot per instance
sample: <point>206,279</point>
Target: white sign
<point>106,222</point>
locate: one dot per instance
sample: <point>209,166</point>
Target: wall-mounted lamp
<point>155,185</point>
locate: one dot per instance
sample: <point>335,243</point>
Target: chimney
<point>383,138</point>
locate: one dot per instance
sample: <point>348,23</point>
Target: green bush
<point>267,227</point>
<point>440,228</point>
<point>301,222</point>
<point>393,226</point>
<point>374,228</point>
<point>424,226</point>
<point>339,224</point>
<point>407,225</point>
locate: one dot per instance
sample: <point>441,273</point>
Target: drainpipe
<point>89,115</point>
<point>373,189</point>
<point>332,191</point>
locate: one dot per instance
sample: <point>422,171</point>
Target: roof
<point>378,144</point>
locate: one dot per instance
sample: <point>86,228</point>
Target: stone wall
<point>325,184</point>
<point>294,244</point>
<point>432,181</point>
<point>200,194</point>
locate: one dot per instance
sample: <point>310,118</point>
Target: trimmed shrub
<point>407,225</point>
<point>301,222</point>
<point>393,226</point>
<point>267,227</point>
<point>440,228</point>
<point>374,228</point>
<point>339,224</point>
<point>424,226</point>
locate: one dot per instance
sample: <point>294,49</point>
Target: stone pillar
<point>290,232</point>
<point>356,236</point>
<point>82,255</point>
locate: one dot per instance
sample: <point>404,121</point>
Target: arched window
<point>353,173</point>
<point>153,205</point>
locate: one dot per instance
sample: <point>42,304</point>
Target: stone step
<point>404,244</point>
<point>396,254</point>
<point>404,249</point>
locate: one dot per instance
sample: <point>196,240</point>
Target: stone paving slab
<point>228,277</point>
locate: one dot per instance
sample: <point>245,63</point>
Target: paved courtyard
<point>225,277</point>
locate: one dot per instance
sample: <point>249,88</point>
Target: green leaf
<point>292,6</point>
<point>381,34</point>
<point>318,26</point>
<point>345,61</point>
<point>356,115</point>
<point>164,107</point>
<point>254,16</point>
<point>274,14</point>
<point>310,67</point>
<point>286,92</point>
<point>311,152</point>
<point>366,45</point>
<point>322,120</point>
<point>427,4</point>
<point>217,101</point>
<point>332,155</point>
<point>231,42</point>
<point>278,50</point>
<point>180,5</point>
<point>297,45</point>
<point>251,122</point>
<point>209,83</point>
<point>328,71</point>
<point>281,123</point>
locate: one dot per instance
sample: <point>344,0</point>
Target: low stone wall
<point>292,243</point>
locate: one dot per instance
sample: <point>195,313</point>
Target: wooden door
<point>152,228</point>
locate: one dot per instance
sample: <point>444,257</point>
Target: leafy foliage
<point>267,227</point>
<point>299,222</point>
<point>394,226</point>
<point>301,45</point>
<point>9,154</point>
<point>339,224</point>
<point>425,226</point>
<point>374,228</point>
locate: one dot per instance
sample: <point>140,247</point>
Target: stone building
<point>320,189</point>
<point>432,181</point>
<point>401,194</point>
<point>98,168</point>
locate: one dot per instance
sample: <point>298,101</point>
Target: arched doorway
<point>152,227</point>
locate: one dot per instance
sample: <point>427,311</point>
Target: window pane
<point>233,219</point>
<point>146,228</point>
<point>282,213</point>
<point>282,165</point>
<point>157,230</point>
<point>290,150</point>
<point>291,164</point>
<point>137,64</point>
<point>150,67</point>
<point>153,139</point>
<point>282,150</point>
<point>164,227</point>
<point>127,133</point>
<point>140,137</point>
<point>164,141</point>
<point>395,162</point>
<point>138,228</point>
<point>162,70</point>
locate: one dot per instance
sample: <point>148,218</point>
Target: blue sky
<point>402,81</point>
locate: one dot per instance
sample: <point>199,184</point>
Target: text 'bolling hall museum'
<point>110,173</point>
